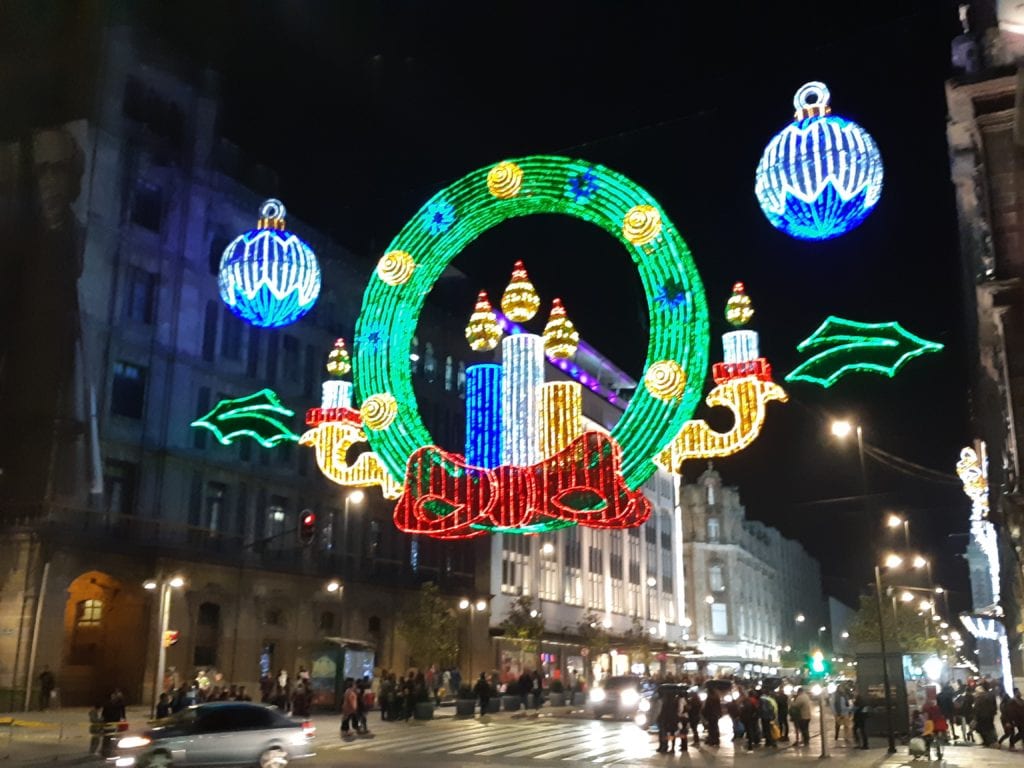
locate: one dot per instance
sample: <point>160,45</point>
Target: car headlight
<point>629,697</point>
<point>644,705</point>
<point>132,742</point>
<point>640,719</point>
<point>597,694</point>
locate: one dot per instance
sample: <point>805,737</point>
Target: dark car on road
<point>218,733</point>
<point>620,696</point>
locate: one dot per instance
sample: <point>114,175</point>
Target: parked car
<point>620,697</point>
<point>218,733</point>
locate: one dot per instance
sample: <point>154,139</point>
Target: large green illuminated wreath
<point>678,345</point>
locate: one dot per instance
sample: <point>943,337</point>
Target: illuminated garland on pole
<point>451,220</point>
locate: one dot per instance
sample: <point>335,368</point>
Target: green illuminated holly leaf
<point>439,507</point>
<point>259,416</point>
<point>845,346</point>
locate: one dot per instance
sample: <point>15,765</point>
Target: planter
<point>511,703</point>
<point>557,699</point>
<point>424,710</point>
<point>493,705</point>
<point>465,707</point>
<point>579,699</point>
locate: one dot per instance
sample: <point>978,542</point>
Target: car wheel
<point>158,760</point>
<point>275,757</point>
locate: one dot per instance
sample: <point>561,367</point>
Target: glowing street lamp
<point>892,560</point>
<point>800,618</point>
<point>841,428</point>
<point>165,585</point>
<point>907,597</point>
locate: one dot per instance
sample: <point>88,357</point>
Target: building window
<point>595,590</point>
<point>309,372</point>
<point>449,373</point>
<point>218,244</point>
<point>515,563</point>
<point>462,378</point>
<point>273,617</point>
<point>252,356</point>
<point>716,578</point>
<point>617,595</point>
<point>615,560</point>
<point>713,529</point>
<point>634,600</point>
<point>414,555</point>
<point>140,296</point>
<point>202,408</point>
<point>231,337</point>
<point>214,512</point>
<point>276,516</point>
<point>548,579</point>
<point>147,206</point>
<point>711,494</point>
<point>429,362</point>
<point>207,635</point>
<point>128,391</point>
<point>119,487</point>
<point>210,330</point>
<point>719,619</point>
<point>327,621</point>
<point>292,369</point>
<point>89,613</point>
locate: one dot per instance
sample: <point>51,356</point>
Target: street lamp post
<point>885,662</point>
<point>355,497</point>
<point>475,606</point>
<point>165,586</point>
<point>895,521</point>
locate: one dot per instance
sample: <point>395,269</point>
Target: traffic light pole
<point>885,662</point>
<point>161,658</point>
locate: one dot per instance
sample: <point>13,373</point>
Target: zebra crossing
<point>549,739</point>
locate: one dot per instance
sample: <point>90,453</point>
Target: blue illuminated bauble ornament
<point>820,176</point>
<point>268,276</point>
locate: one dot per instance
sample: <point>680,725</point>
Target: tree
<point>639,643</point>
<point>904,629</point>
<point>524,622</point>
<point>592,633</point>
<point>430,629</point>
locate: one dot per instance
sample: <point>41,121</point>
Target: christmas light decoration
<point>483,332</point>
<point>739,346</point>
<point>268,276</point>
<point>259,416</point>
<point>438,217</point>
<point>336,394</point>
<point>334,433</point>
<point>520,301</point>
<point>395,267</point>
<point>666,380</point>
<point>972,469</point>
<point>339,362</point>
<point>738,310</point>
<point>378,411</point>
<point>847,346</point>
<point>987,628</point>
<point>522,360</point>
<point>483,415</point>
<point>561,412</point>
<point>820,176</point>
<point>561,338</point>
<point>505,180</point>
<point>595,480</point>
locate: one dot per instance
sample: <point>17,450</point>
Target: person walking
<point>668,719</point>
<point>525,686</point>
<point>47,683</point>
<point>985,711</point>
<point>800,713</point>
<point>945,700</point>
<point>860,722</point>
<point>482,689</point>
<point>732,709</point>
<point>112,715</point>
<point>750,716</point>
<point>769,712</point>
<point>937,730</point>
<point>693,707</point>
<point>782,704</point>
<point>349,708</point>
<point>842,708</point>
<point>163,707</point>
<point>712,710</point>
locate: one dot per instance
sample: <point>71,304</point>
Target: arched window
<point>449,374</point>
<point>207,635</point>
<point>713,529</point>
<point>716,578</point>
<point>89,613</point>
<point>429,362</point>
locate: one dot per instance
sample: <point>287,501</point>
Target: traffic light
<point>817,665</point>
<point>307,527</point>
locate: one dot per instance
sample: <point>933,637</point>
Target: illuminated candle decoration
<point>821,175</point>
<point>594,481</point>
<point>505,180</point>
<point>561,412</point>
<point>739,346</point>
<point>336,394</point>
<point>846,346</point>
<point>268,276</point>
<point>483,415</point>
<point>483,332</point>
<point>561,338</point>
<point>972,470</point>
<point>395,267</point>
<point>522,360</point>
<point>259,416</point>
<point>738,310</point>
<point>520,301</point>
<point>339,362</point>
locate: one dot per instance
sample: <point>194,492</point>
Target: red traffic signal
<point>307,527</point>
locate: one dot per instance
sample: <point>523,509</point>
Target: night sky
<point>366,109</point>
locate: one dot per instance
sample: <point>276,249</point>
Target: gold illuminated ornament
<point>505,180</point>
<point>339,362</point>
<point>483,332</point>
<point>561,413</point>
<point>520,301</point>
<point>746,398</point>
<point>395,267</point>
<point>332,441</point>
<point>560,336</point>
<point>642,224</point>
<point>379,411</point>
<point>738,310</point>
<point>665,380</point>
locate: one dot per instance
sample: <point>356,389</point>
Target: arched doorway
<point>103,648</point>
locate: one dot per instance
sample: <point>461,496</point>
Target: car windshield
<point>620,683</point>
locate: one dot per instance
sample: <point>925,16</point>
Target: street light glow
<point>925,605</point>
<point>800,618</point>
<point>356,497</point>
<point>547,548</point>
<point>333,586</point>
<point>906,597</point>
<point>841,428</point>
<point>177,582</point>
<point>149,585</point>
<point>919,562</point>
<point>481,605</point>
<point>894,521</point>
<point>463,604</point>
<point>939,590</point>
<point>845,635</point>
<point>651,581</point>
<point>893,560</point>
<point>710,599</point>
<point>822,629</point>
